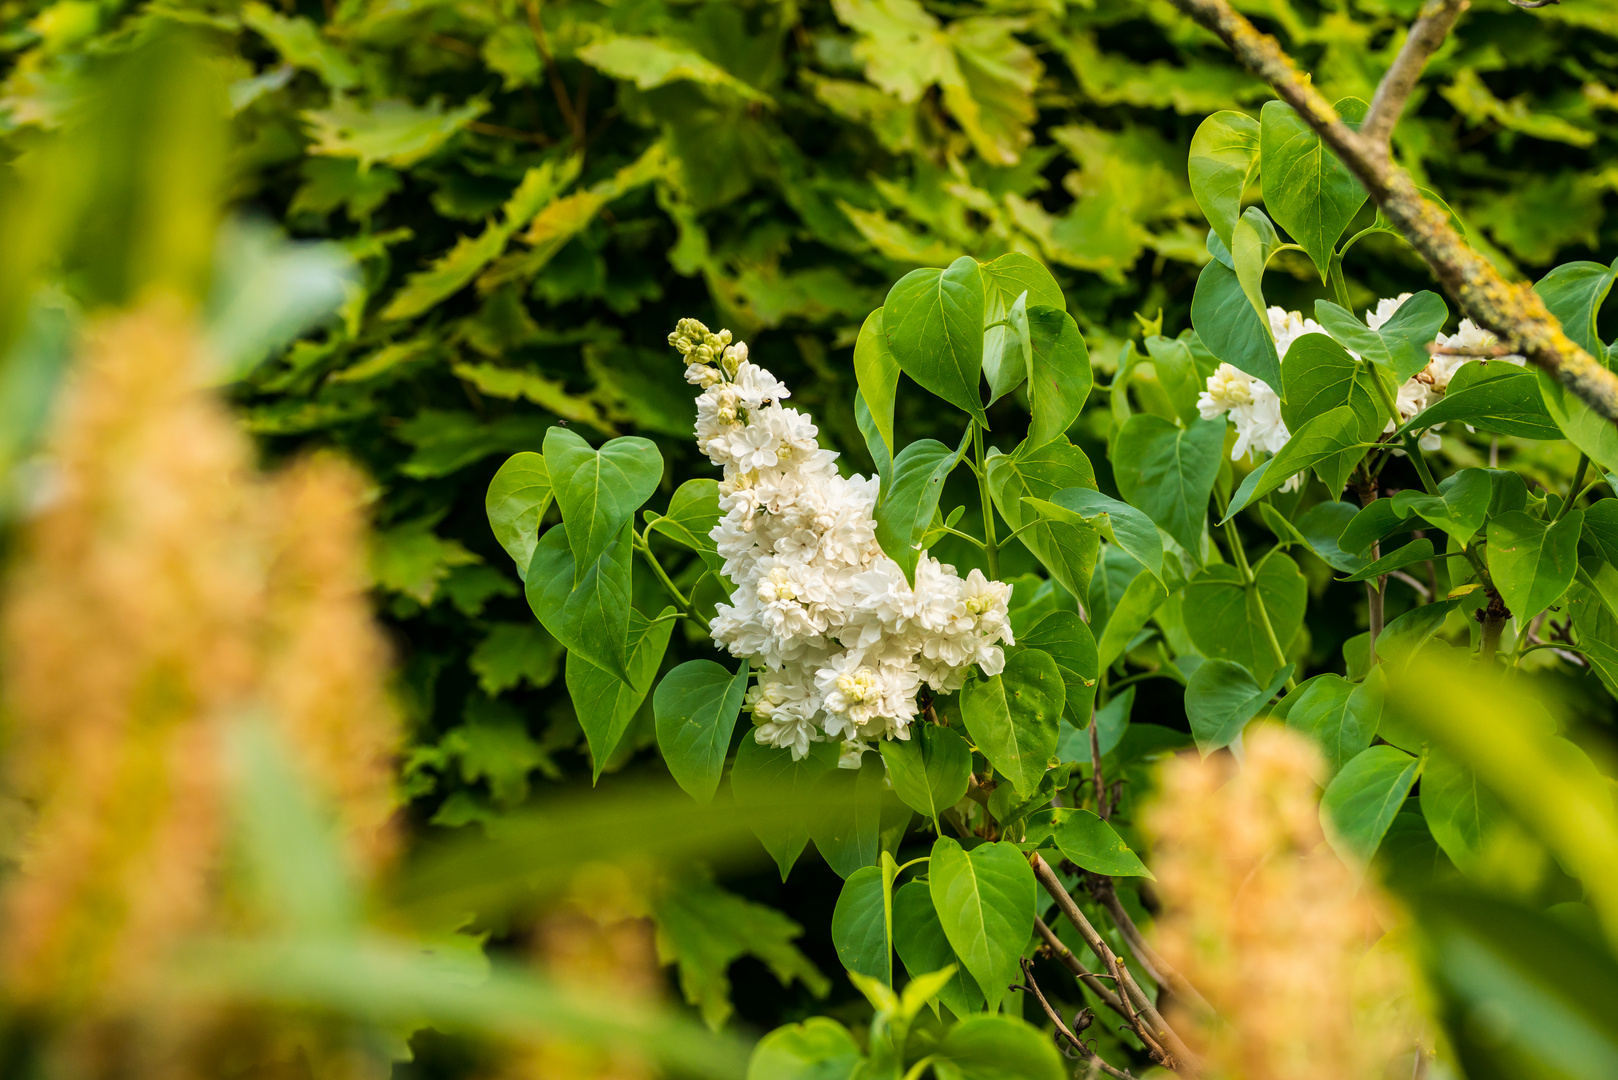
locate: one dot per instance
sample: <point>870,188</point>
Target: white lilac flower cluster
<point>1255,409</point>
<point>843,642</point>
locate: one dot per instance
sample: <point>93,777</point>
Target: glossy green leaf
<point>1093,844</point>
<point>1329,441</point>
<point>1362,799</point>
<point>1601,528</point>
<point>1177,373</point>
<point>1494,397</point>
<point>1013,717</point>
<point>1000,1048</point>
<point>1222,697</point>
<point>765,774</point>
<point>1321,525</point>
<point>1574,293</point>
<point>876,371</point>
<point>1379,519</point>
<point>1404,636</point>
<point>1222,616</point>
<point>1309,192</point>
<point>1224,157</point>
<point>847,827</point>
<point>1341,717</point>
<point>1252,241</point>
<point>818,1049</point>
<point>933,320</point>
<point>1007,279</point>
<point>1227,324</point>
<point>908,504</point>
<point>1416,551</point>
<point>696,706</point>
<point>693,513</point>
<point>1459,810</point>
<point>1068,640</point>
<point>1063,541</point>
<point>1585,428</point>
<point>918,937</point>
<point>862,922</point>
<point>1532,564</point>
<point>604,703</point>
<point>599,491</point>
<point>591,620</point>
<point>518,497</point>
<point>1319,376</point>
<point>1039,471</point>
<point>985,901</point>
<point>930,770</point>
<point>875,445</point>
<point>1061,373</point>
<point>1459,508</point>
<point>1140,600</point>
<point>1168,472</point>
<point>1121,524</point>
<point>1398,345</point>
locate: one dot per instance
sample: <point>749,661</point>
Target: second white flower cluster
<point>1255,408</point>
<point>844,642</point>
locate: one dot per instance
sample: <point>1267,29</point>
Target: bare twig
<point>1514,312</point>
<point>536,26</point>
<point>1530,5</point>
<point>1477,352</point>
<point>1148,1024</point>
<point>1091,980</point>
<point>1422,591</point>
<point>1103,811</point>
<point>1426,37</point>
<point>1062,1030</point>
<point>1158,969</point>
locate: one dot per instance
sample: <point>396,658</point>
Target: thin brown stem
<point>1089,1055</point>
<point>1476,352</point>
<point>1148,1024</point>
<point>1513,311</point>
<point>536,26</point>
<point>1158,969</point>
<point>1425,38</point>
<point>1103,811</point>
<point>1064,955</point>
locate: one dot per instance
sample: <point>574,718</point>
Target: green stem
<point>686,607</point>
<point>991,550</point>
<point>1573,491</point>
<point>1275,644</point>
<point>1142,676</point>
<point>1389,406</point>
<point>1248,580</point>
<point>1338,283</point>
<point>1413,449</point>
<point>969,538</point>
<point>1237,552</point>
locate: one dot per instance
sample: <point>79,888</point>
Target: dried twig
<point>1426,37</point>
<point>1148,1024</point>
<point>1090,979</point>
<point>1514,312</point>
<point>1082,1020</point>
<point>1477,352</point>
<point>1158,969</point>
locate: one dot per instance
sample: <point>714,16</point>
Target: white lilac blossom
<point>843,643</point>
<point>1255,409</point>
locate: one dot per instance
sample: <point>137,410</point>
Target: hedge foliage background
<point>535,192</point>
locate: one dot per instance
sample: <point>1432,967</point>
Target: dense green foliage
<point>534,194</point>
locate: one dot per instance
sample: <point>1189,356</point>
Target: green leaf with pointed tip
<point>696,706</point>
<point>930,770</point>
<point>1399,345</point>
<point>599,491</point>
<point>1224,319</point>
<point>1005,279</point>
<point>985,901</point>
<point>1309,192</point>
<point>1169,472</point>
<point>1459,810</point>
<point>1063,541</point>
<point>1574,293</point>
<point>1340,716</point>
<point>1601,528</point>
<point>1532,563</point>
<point>998,1048</point>
<point>1140,600</point>
<point>876,371</point>
<point>1068,640</point>
<point>693,512</point>
<point>1499,398</point>
<point>862,921</point>
<point>908,504</point>
<point>1061,373</point>
<point>591,619</point>
<point>1362,799</point>
<point>1224,157</point>
<point>766,774</point>
<point>818,1049</point>
<point>1327,442</point>
<point>933,320</point>
<point>1585,428</point>
<point>1322,525</point>
<point>1319,376</point>
<point>847,826</point>
<point>1459,508</point>
<point>1096,846</point>
<point>1014,717</point>
<point>919,939</point>
<point>881,456</point>
<point>604,703</point>
<point>1251,244</point>
<point>1122,524</point>
<point>1222,697</point>
<point>1414,552</point>
<point>1222,615</point>
<point>1379,519</point>
<point>518,496</point>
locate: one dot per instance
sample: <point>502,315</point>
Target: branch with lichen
<point>1513,311</point>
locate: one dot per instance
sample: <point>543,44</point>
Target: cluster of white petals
<point>1255,408</point>
<point>842,641</point>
